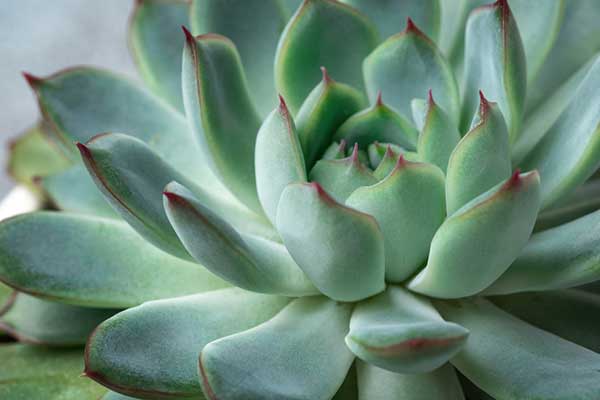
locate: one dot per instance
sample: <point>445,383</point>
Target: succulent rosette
<point>364,200</point>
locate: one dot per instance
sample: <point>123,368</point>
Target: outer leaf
<point>378,384</point>
<point>439,136</point>
<point>397,203</point>
<point>342,177</point>
<point>155,40</point>
<point>495,64</point>
<point>44,254</point>
<point>313,38</point>
<point>254,26</point>
<point>378,123</point>
<point>32,320</point>
<point>511,359</point>
<point>165,363</point>
<point>248,262</point>
<point>584,200</point>
<point>570,152</point>
<point>31,372</point>
<point>220,112</point>
<point>278,158</point>
<point>403,333</point>
<point>324,110</point>
<point>475,245</point>
<point>311,329</point>
<point>340,249</point>
<point>562,257</point>
<point>405,66</point>
<point>389,15</point>
<point>480,160</point>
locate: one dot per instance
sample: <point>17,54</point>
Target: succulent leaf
<point>311,328</point>
<point>397,203</point>
<point>558,258</point>
<point>570,152</point>
<point>327,106</point>
<point>499,342</point>
<point>341,250</point>
<point>117,396</point>
<point>403,333</point>
<point>165,364</point>
<point>378,123</point>
<point>121,269</point>
<point>221,113</point>
<point>248,262</point>
<point>387,164</point>
<point>480,160</point>
<point>315,38</point>
<point>33,320</point>
<point>254,26</point>
<point>378,384</point>
<point>477,243</point>
<point>335,151</point>
<point>406,66</point>
<point>155,41</point>
<point>494,64</point>
<point>278,159</point>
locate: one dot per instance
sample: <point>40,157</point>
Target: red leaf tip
<point>283,108</point>
<point>401,162</point>
<point>354,156</point>
<point>389,152</point>
<point>410,25</point>
<point>188,35</point>
<point>342,146</point>
<point>430,97</point>
<point>326,77</point>
<point>172,197</point>
<point>32,80</point>
<point>514,181</point>
<point>84,150</point>
<point>484,105</point>
<point>379,101</point>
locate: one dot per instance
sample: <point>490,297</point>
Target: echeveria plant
<point>366,234</point>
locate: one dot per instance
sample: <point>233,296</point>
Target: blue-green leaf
<point>584,200</point>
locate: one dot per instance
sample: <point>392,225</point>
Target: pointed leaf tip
<point>410,26</point>
<point>84,150</point>
<point>32,80</point>
<point>326,78</point>
<point>354,155</point>
<point>430,98</point>
<point>379,101</point>
<point>188,35</point>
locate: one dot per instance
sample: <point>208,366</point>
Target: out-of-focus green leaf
<point>513,360</point>
<point>403,333</point>
<point>480,160</point>
<point>119,396</point>
<point>248,262</point>
<point>93,262</point>
<point>32,372</point>
<point>315,38</point>
<point>165,363</point>
<point>558,258</point>
<point>406,66</point>
<point>155,41</point>
<point>254,26</point>
<point>309,362</point>
<point>477,243</point>
<point>221,113</point>
<point>495,64</point>
<point>33,320</point>
<point>339,248</point>
<point>278,158</point>
<point>397,203</point>
<point>378,384</point>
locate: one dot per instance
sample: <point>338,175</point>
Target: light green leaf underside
<point>45,253</point>
<point>340,178</point>
<point>511,359</point>
<point>73,190</point>
<point>495,64</point>
<point>378,384</point>
<point>165,363</point>
<point>32,372</point>
<point>480,160</point>
<point>558,258</point>
<point>156,41</point>
<point>309,362</point>
<point>312,39</point>
<point>566,313</point>
<point>254,26</point>
<point>340,249</point>
<point>390,15</point>
<point>220,112</point>
<point>249,262</point>
<point>397,203</point>
<point>406,66</point>
<point>476,244</point>
<point>403,333</point>
<point>278,158</point>
<point>570,152</point>
<point>33,320</point>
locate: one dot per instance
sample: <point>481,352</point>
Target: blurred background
<point>43,36</point>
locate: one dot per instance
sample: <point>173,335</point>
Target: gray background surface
<point>43,36</point>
